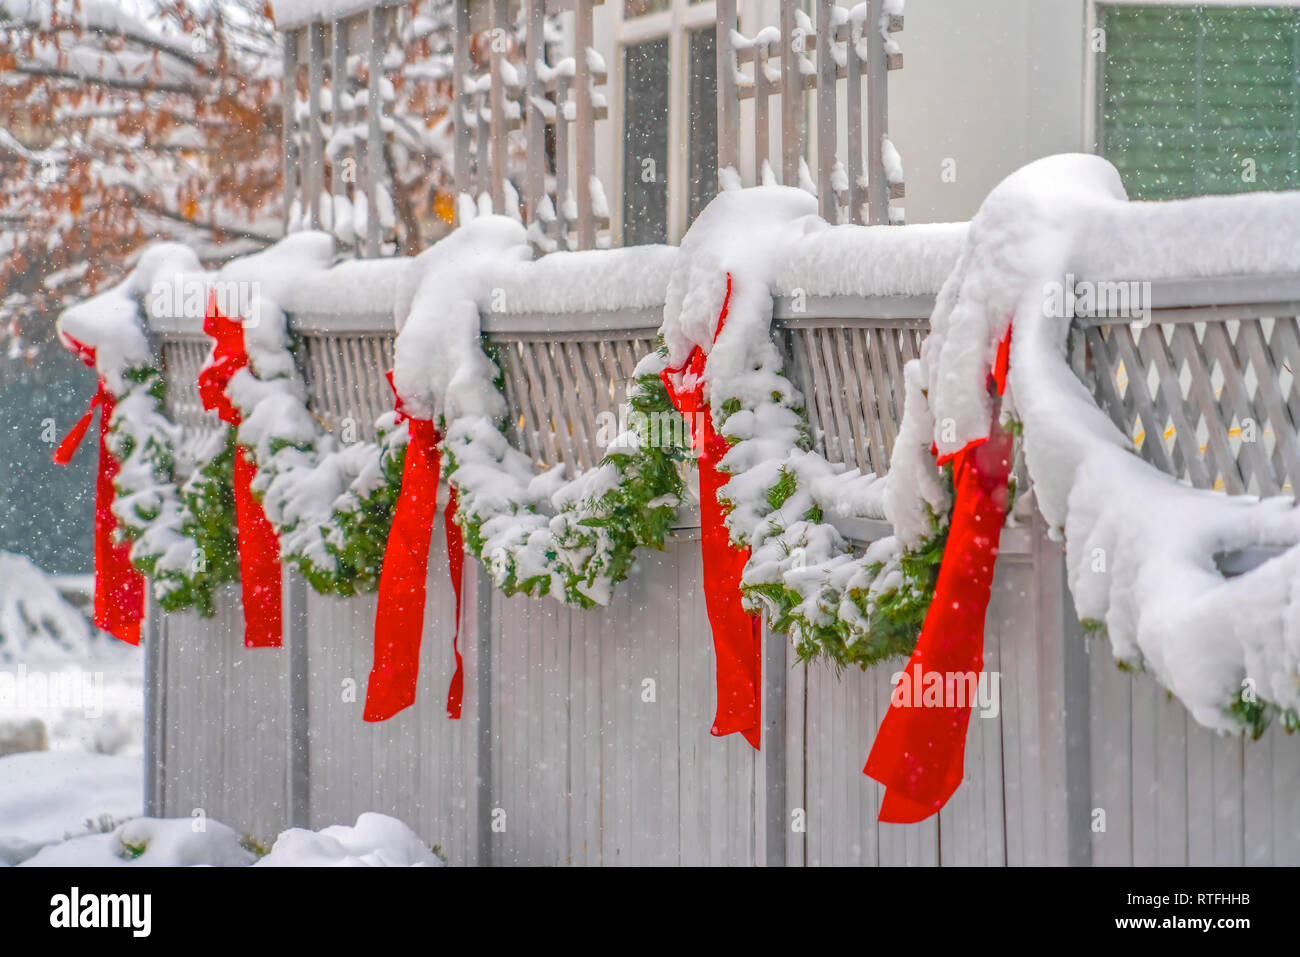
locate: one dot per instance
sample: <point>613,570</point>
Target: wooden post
<point>827,128</point>
<point>1064,716</point>
<point>855,166</point>
<point>534,119</point>
<point>155,708</point>
<point>791,95</point>
<point>375,172</point>
<point>877,112</point>
<point>775,824</point>
<point>298,786</point>
<point>762,91</point>
<point>338,89</point>
<point>460,99</point>
<point>500,26</point>
<point>728,95</point>
<point>585,118</point>
<point>563,225</point>
<point>482,592</point>
<point>289,97</point>
<point>315,178</point>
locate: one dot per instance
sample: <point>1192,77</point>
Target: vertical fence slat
<point>585,118</point>
<point>827,127</point>
<point>728,94</point>
<point>289,121</point>
<point>315,178</point>
<point>877,113</point>
<point>376,173</point>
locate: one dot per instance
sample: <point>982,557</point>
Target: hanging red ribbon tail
<point>259,562</point>
<point>919,751</point>
<point>737,635</point>
<point>259,546</point>
<point>399,618</point>
<point>119,586</point>
<point>455,566</point>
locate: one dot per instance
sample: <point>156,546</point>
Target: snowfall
<point>73,698</point>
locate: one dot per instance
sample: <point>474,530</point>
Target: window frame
<point>676,23</point>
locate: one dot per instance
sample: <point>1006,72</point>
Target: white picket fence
<point>584,737</point>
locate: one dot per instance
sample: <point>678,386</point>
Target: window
<point>703,119</point>
<point>1201,99</point>
<point>669,104</point>
<point>645,142</point>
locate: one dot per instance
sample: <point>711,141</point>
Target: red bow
<point>737,635</point>
<point>259,547</point>
<point>399,618</point>
<point>119,587</point>
<point>920,748</point>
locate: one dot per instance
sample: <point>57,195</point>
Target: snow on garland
<point>1228,648</point>
<point>182,537</point>
<point>534,533</point>
<point>847,607</point>
<point>330,501</point>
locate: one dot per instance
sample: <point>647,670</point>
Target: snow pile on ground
<point>151,842</point>
<point>48,796</point>
<point>36,621</point>
<point>83,686</point>
<point>375,841</point>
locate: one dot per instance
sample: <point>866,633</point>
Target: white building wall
<point>987,85</point>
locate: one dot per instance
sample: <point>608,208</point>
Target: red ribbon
<point>737,635</point>
<point>920,748</point>
<point>259,546</point>
<point>119,587</point>
<point>399,618</point>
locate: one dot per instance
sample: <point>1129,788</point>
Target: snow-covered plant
<point>534,533</point>
<point>850,608</point>
<point>182,538</point>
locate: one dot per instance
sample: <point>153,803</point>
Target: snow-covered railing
<point>1204,381</point>
<point>848,44</point>
<point>335,65</point>
<point>566,207</point>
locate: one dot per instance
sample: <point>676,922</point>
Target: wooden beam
<point>585,120</point>
<point>460,100</point>
<point>728,97</point>
<point>499,158</point>
<point>877,117</point>
<point>375,169</point>
<point>534,119</point>
<point>289,96</point>
<point>315,177</point>
<point>827,128</point>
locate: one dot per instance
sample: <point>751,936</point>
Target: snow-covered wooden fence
<point>584,737</point>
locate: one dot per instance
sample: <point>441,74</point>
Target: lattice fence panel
<point>851,378</point>
<point>565,396</point>
<point>1213,403</point>
<point>181,360</point>
<point>346,388</point>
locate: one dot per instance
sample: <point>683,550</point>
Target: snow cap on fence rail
<point>1139,544</point>
<point>110,323</point>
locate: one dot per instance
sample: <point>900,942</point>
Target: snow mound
<point>35,619</point>
<point>45,796</point>
<point>375,841</point>
<point>151,842</point>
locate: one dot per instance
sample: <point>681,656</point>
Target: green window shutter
<point>1202,99</point>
